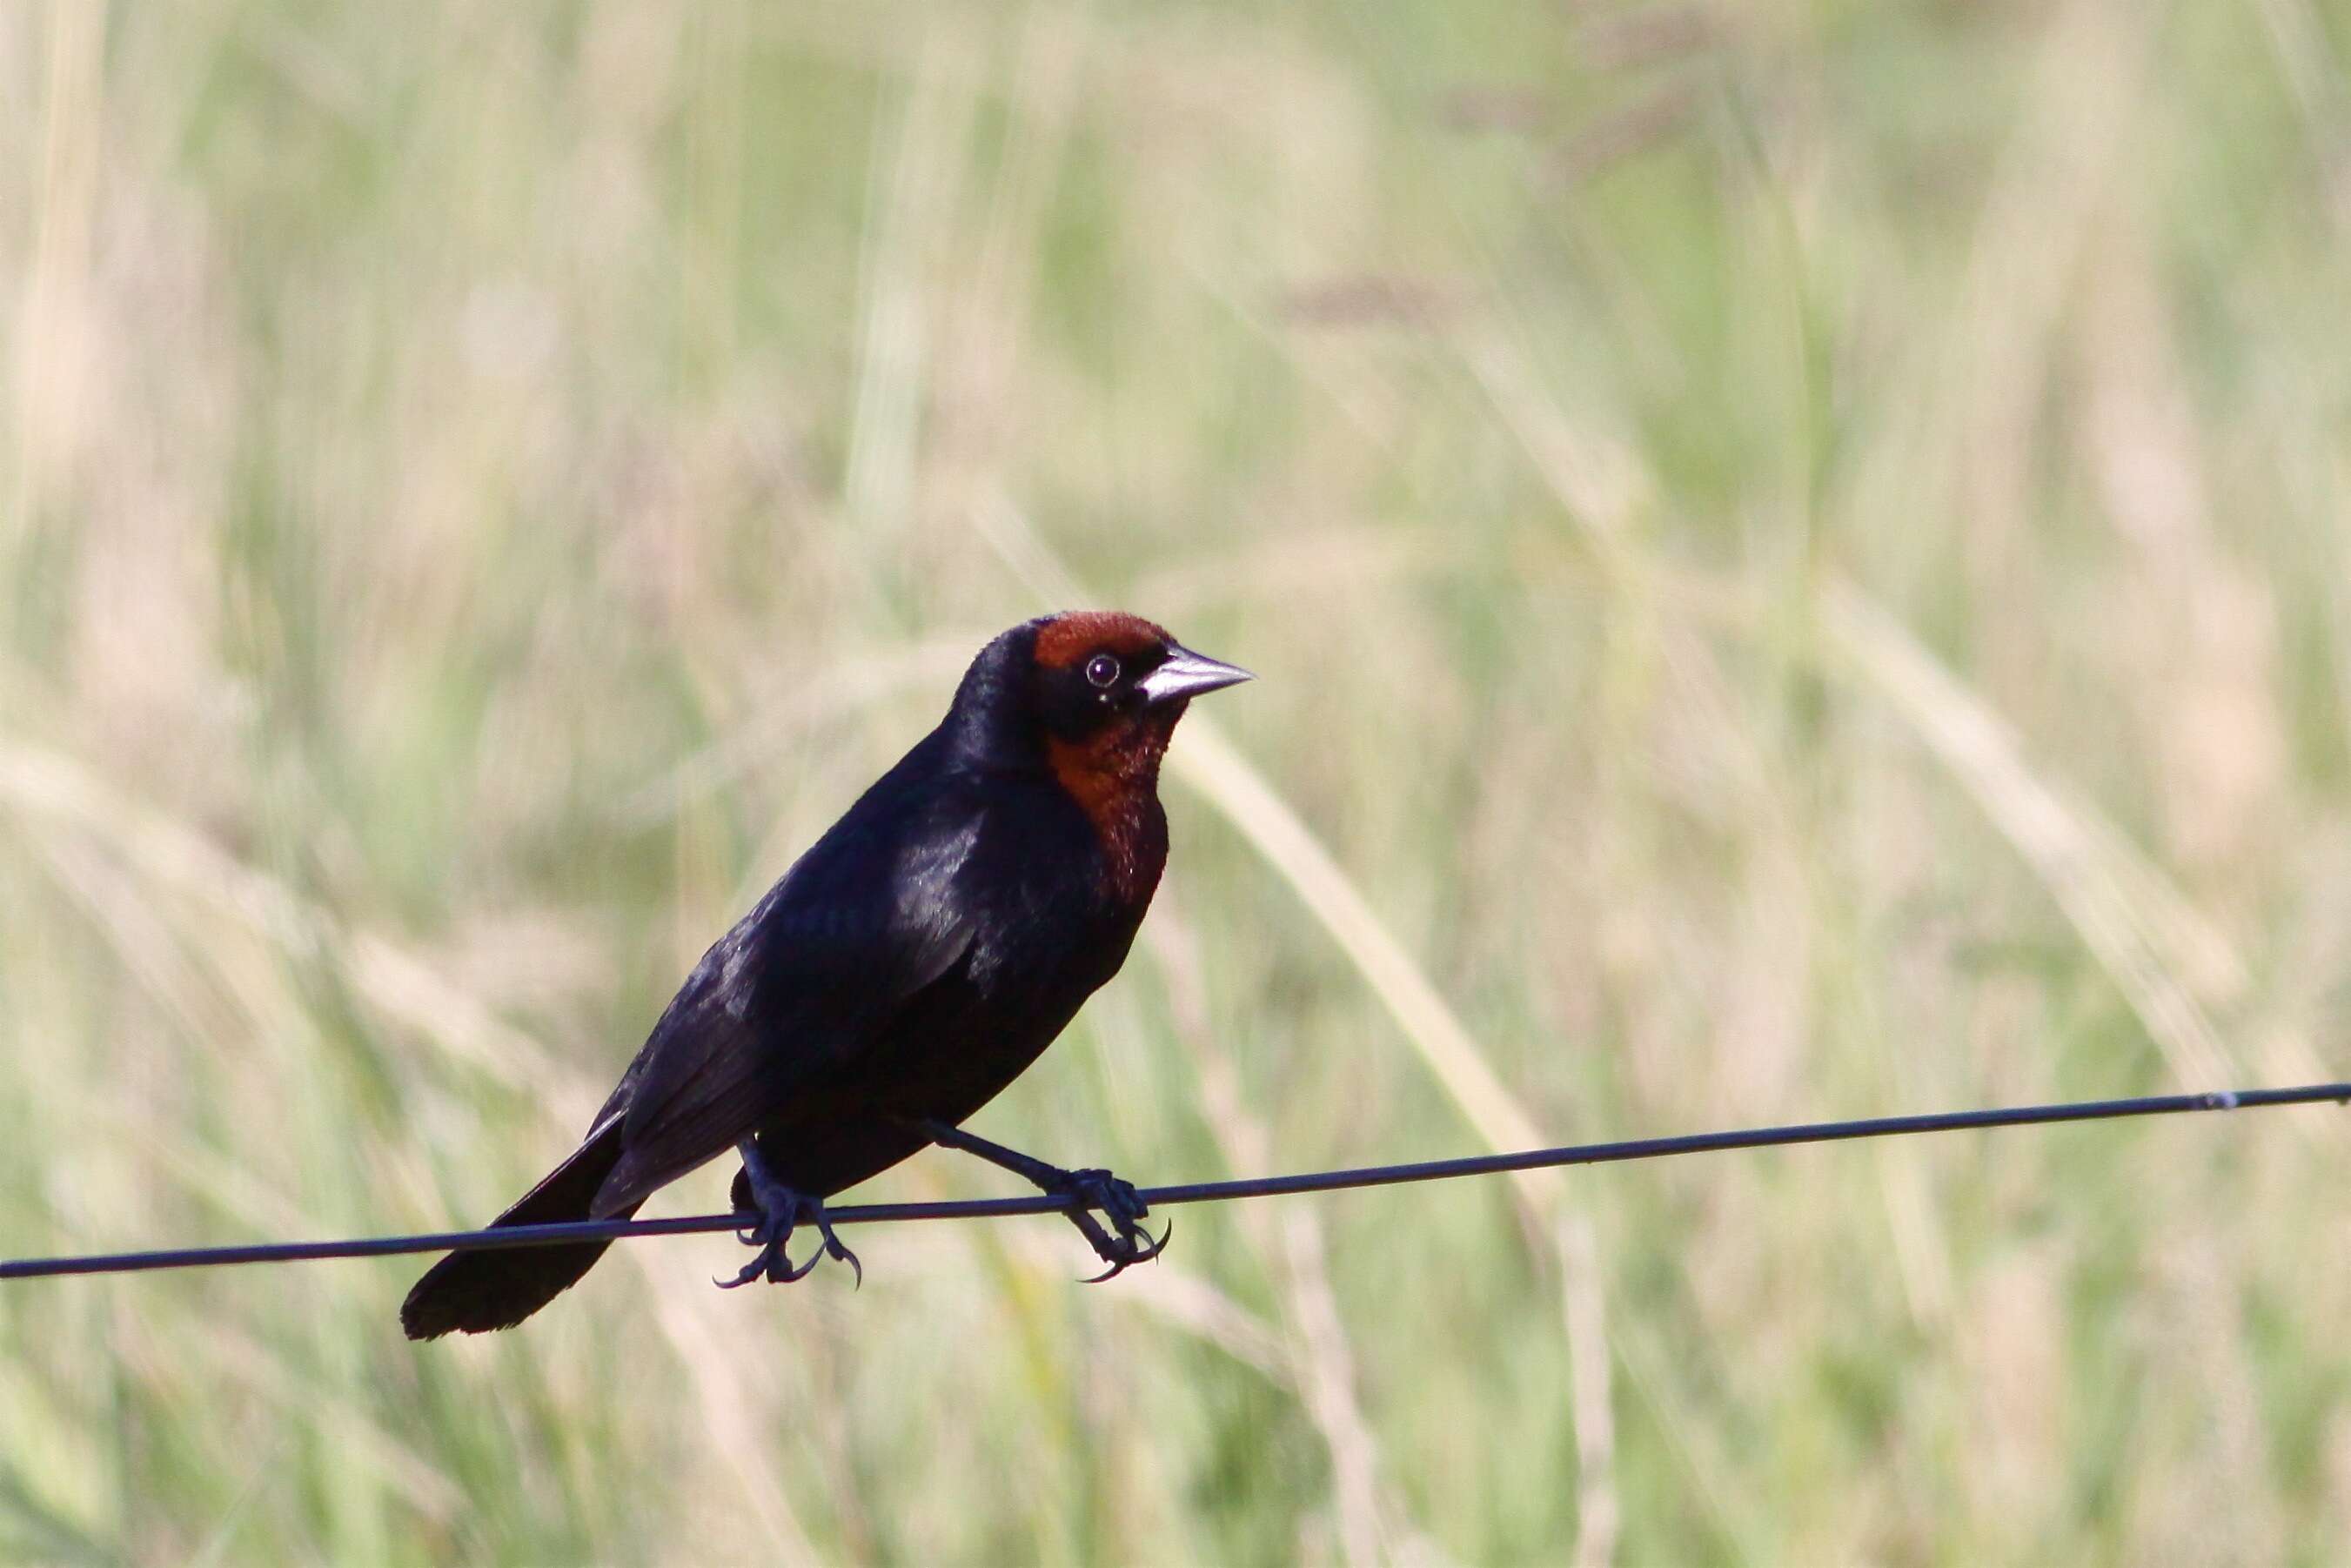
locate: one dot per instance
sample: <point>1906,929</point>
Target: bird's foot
<point>1122,1246</point>
<point>782,1210</point>
<point>1127,1241</point>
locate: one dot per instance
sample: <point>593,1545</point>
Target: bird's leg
<point>782,1209</point>
<point>1132,1243</point>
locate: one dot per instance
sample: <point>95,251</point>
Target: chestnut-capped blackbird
<point>909,965</point>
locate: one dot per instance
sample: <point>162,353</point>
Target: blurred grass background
<point>1797,558</point>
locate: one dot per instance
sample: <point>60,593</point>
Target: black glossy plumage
<point>912,963</point>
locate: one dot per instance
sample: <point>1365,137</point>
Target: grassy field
<point>1798,560</point>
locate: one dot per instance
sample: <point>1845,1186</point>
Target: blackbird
<point>908,966</point>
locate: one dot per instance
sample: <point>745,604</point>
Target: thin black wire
<point>1205,1191</point>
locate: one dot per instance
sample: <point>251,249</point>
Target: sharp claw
<point>1129,1258</point>
<point>782,1211</point>
<point>751,1271</point>
<point>835,1250</point>
<point>1133,1243</point>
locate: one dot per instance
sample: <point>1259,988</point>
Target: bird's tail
<point>473,1292</point>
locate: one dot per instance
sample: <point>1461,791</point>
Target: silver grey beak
<point>1189,674</point>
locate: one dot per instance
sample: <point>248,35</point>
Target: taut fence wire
<point>1205,1191</point>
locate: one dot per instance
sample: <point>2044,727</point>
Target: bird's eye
<point>1101,670</point>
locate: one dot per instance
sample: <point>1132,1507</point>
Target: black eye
<point>1101,669</point>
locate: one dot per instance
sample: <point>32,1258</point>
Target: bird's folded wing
<point>804,982</point>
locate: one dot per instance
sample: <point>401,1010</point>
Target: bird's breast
<point>1116,792</point>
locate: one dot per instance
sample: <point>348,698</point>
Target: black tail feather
<point>474,1292</point>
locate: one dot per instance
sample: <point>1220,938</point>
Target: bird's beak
<point>1188,674</point>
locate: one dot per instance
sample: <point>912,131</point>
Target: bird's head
<point>1094,693</point>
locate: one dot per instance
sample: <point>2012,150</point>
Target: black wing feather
<point>865,920</point>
